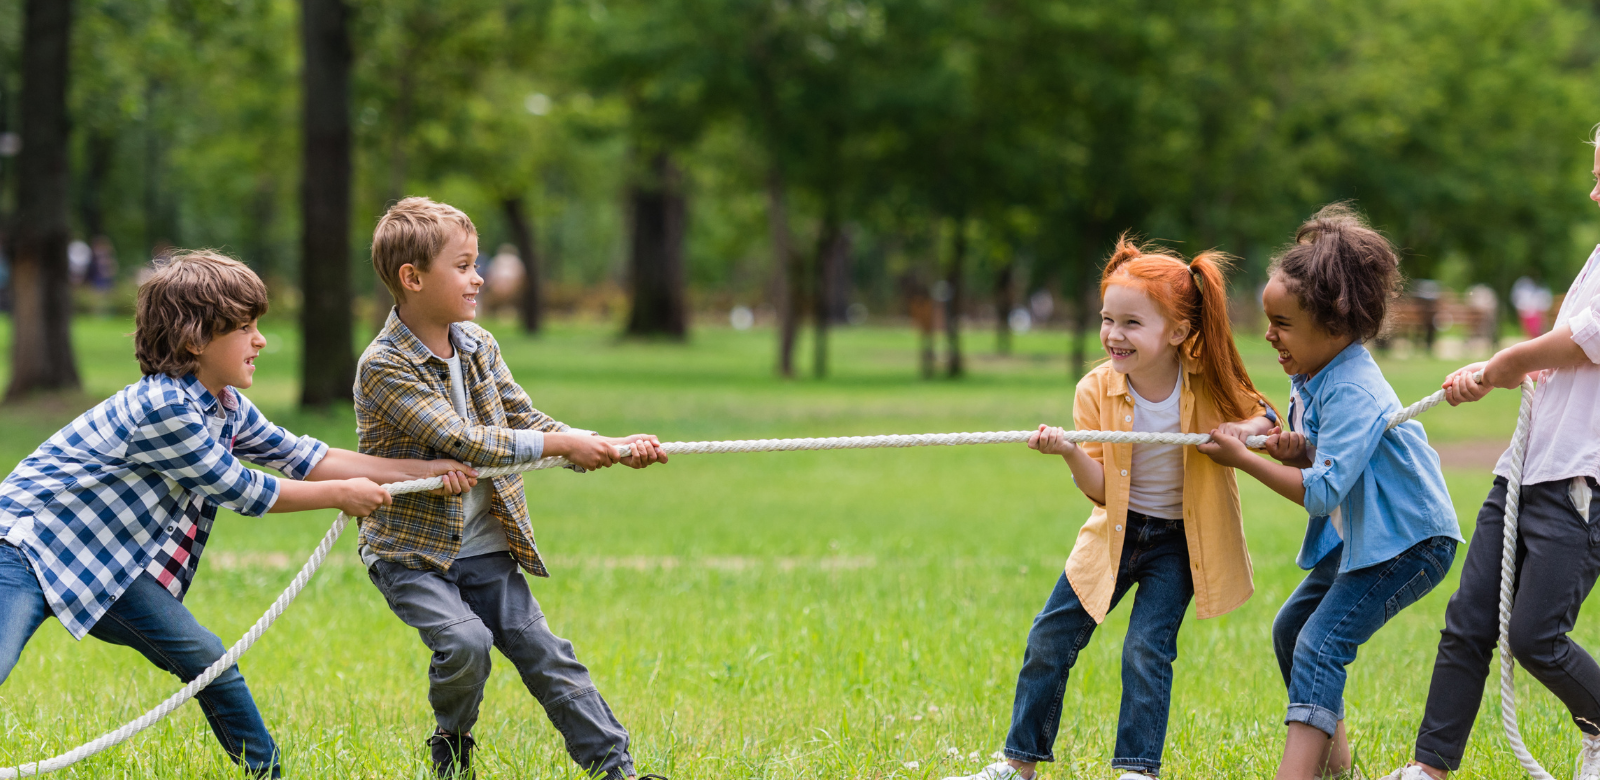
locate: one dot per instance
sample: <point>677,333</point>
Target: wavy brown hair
<point>1342,271</point>
<point>1195,292</point>
<point>193,297</point>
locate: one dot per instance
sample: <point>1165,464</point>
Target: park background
<point>717,219</point>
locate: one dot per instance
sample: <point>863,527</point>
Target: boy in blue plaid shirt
<point>433,384</point>
<point>104,524</point>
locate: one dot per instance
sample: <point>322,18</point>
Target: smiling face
<point>1135,335</point>
<point>448,291</point>
<point>1304,347</point>
<point>229,359</point>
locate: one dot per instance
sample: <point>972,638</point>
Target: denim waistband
<point>1139,517</point>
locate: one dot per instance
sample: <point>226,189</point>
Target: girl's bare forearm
<point>1284,480</point>
<point>1089,475</point>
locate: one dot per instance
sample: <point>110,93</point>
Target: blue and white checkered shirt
<point>98,502</point>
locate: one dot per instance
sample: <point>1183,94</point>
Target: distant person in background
<point>1531,301</point>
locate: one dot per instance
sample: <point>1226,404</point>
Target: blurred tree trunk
<point>829,238</point>
<point>1004,300</point>
<point>955,366</point>
<point>41,346</point>
<point>328,365</point>
<point>532,304</point>
<point>785,291</point>
<point>660,217</point>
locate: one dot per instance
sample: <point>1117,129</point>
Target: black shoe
<point>452,755</point>
<point>652,776</point>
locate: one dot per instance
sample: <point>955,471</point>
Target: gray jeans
<point>484,602</point>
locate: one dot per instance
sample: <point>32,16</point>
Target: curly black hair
<point>1343,272</point>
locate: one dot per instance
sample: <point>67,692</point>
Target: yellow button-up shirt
<point>1219,561</point>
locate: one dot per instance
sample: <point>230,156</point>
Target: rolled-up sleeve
<point>1350,426</point>
<point>174,441</point>
<point>261,442</point>
<point>1586,333</point>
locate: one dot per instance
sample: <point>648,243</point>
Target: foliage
<point>1041,128</point>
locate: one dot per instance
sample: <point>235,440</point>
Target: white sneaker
<point>1412,772</point>
<point>1132,775</point>
<point>999,770</point>
<point>1589,760</point>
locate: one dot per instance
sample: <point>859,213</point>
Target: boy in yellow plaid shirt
<point>433,385</point>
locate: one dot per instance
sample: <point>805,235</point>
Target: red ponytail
<point>1196,293</point>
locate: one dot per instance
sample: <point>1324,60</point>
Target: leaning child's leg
<point>152,621</point>
<point>22,606</point>
<point>1059,632</point>
<point>1161,567</point>
<point>548,664</point>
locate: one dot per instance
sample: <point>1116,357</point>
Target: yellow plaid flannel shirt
<point>403,410</point>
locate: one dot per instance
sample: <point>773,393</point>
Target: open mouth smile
<point>1119,353</point>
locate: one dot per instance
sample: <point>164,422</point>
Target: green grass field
<point>855,614</point>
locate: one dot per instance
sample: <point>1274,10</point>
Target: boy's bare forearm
<point>297,496</point>
<point>346,464</point>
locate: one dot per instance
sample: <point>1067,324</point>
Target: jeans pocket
<point>1413,591</point>
<point>12,557</point>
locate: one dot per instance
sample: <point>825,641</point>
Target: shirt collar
<point>412,347</point>
<point>191,384</point>
<point>1312,385</point>
<point>1119,381</point>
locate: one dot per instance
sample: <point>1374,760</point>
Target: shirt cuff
<point>530,446</point>
<point>1586,333</point>
<point>270,490</point>
<point>308,452</point>
<point>1313,501</point>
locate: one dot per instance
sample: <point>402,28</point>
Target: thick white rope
<point>318,555</point>
<point>1508,579</point>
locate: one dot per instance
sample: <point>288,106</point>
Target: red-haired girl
<point>1165,517</point>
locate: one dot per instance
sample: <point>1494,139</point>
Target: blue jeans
<point>1155,555</point>
<point>152,621</point>
<point>1330,615</point>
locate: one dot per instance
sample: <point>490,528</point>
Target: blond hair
<point>413,231</point>
<point>193,297</point>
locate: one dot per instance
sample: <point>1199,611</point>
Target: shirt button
<point>171,528</point>
<point>1124,472</point>
<point>1327,463</point>
<point>1127,418</point>
<point>1119,529</point>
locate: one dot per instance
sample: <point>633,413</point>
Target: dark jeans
<point>1155,555</point>
<point>1558,559</point>
<point>152,621</point>
<point>1331,615</point>
<point>484,602</point>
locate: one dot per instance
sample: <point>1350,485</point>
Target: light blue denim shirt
<point>1385,482</point>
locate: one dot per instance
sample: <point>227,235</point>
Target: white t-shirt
<point>1155,486</point>
<point>482,533</point>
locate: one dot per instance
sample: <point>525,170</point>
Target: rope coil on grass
<point>320,554</point>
